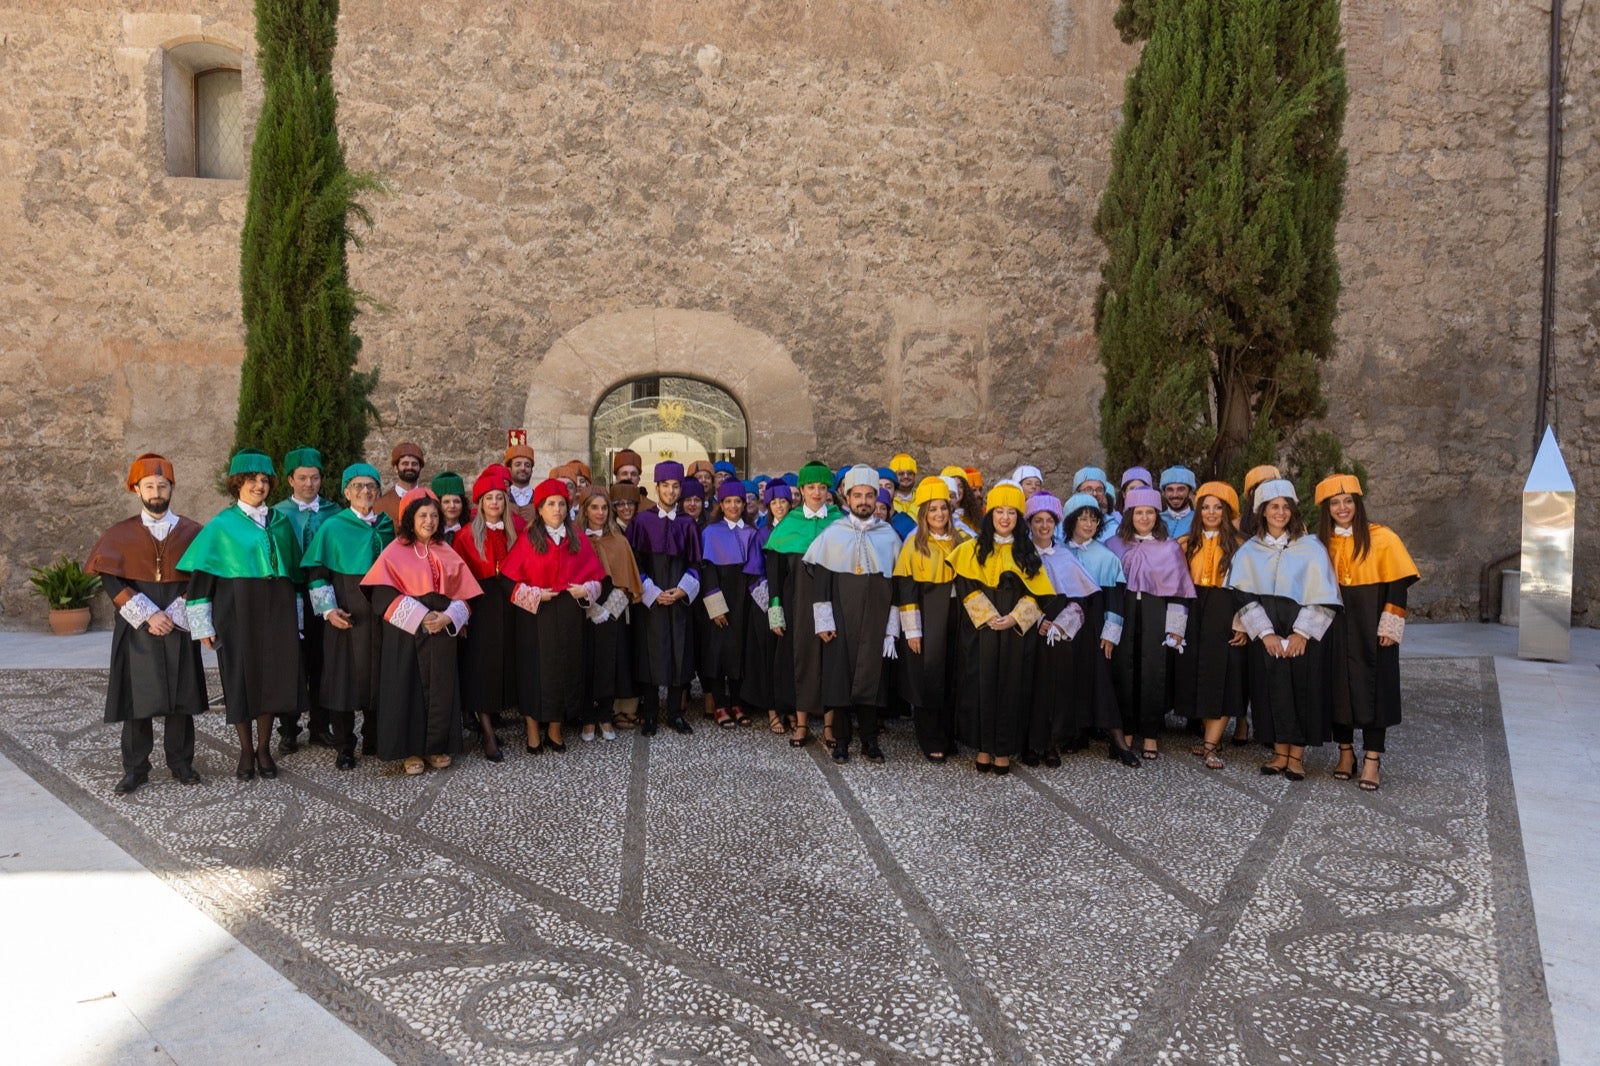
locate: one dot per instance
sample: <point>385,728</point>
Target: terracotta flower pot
<point>69,623</point>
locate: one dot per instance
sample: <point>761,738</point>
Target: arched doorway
<point>586,364</point>
<point>669,418</point>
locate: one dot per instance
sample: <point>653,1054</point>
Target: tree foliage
<point>1219,290</point>
<point>299,384</point>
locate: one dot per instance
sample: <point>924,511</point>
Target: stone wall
<point>897,196</point>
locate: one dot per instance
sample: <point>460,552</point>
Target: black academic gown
<point>781,581</point>
<point>612,658</point>
<point>489,651</point>
<point>1364,677</point>
<point>996,674</point>
<point>1141,666</point>
<point>663,634</point>
<point>350,657</point>
<point>721,649</point>
<point>928,679</point>
<point>1208,678</point>
<point>555,660</point>
<point>1288,697</point>
<point>1052,724</point>
<point>804,676</point>
<point>853,671</point>
<point>419,701</point>
<point>257,643</point>
<point>152,676</point>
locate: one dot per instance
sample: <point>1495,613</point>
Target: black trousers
<point>843,718</point>
<point>139,740</point>
<point>650,702</point>
<point>1371,739</point>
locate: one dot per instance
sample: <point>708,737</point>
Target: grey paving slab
<point>722,898</point>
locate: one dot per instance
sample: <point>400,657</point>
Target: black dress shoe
<point>535,749</point>
<point>265,766</point>
<point>1052,760</point>
<point>345,761</point>
<point>648,728</point>
<point>187,776</point>
<point>983,767</point>
<point>872,752</point>
<point>131,781</point>
<point>555,745</point>
<point>1001,771</point>
<point>246,770</point>
<point>497,756</point>
<point>841,753</point>
<point>679,725</point>
<point>1030,758</point>
<point>1125,756</point>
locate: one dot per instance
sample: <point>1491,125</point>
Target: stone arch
<point>597,355</point>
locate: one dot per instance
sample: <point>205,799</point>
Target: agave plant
<point>64,584</point>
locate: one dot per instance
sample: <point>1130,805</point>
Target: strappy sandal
<point>1345,775</point>
<point>802,736</point>
<point>1150,754</point>
<point>775,723</point>
<point>1213,759</point>
<point>724,719</point>
<point>1364,783</point>
<point>1294,775</point>
<point>739,717</point>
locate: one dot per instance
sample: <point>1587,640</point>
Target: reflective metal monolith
<point>1549,511</point>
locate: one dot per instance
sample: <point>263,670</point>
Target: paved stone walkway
<point>721,898</point>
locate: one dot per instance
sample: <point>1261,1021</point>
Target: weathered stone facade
<point>893,198</point>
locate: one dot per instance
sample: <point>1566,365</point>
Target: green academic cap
<point>448,483</point>
<point>299,457</point>
<point>251,461</point>
<point>355,470</point>
<point>815,474</point>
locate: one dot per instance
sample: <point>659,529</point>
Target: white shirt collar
<point>158,527</point>
<point>1275,542</point>
<point>1144,536</point>
<point>739,524</point>
<point>862,523</point>
<point>809,513</point>
<point>595,532</point>
<point>370,518</point>
<point>998,539</point>
<point>400,488</point>
<point>1048,549</point>
<point>1344,531</point>
<point>522,496</point>
<point>258,515</point>
<point>1210,534</point>
<point>668,516</point>
<point>558,535</point>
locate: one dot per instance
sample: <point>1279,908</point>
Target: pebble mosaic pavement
<point>721,898</point>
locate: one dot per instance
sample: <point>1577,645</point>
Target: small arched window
<point>202,105</point>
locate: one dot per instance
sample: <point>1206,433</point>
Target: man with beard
<point>407,460</point>
<point>905,487</point>
<point>851,565</point>
<point>519,460</point>
<point>666,545</point>
<point>626,466</point>
<point>1177,486</point>
<point>306,510</point>
<point>156,670</point>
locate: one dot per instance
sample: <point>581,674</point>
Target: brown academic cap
<point>405,447</point>
<point>518,451</point>
<point>150,465</point>
<point>626,457</point>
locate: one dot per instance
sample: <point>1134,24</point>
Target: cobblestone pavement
<point>722,898</point>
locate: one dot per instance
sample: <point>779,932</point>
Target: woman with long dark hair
<point>420,588</point>
<point>925,590</point>
<point>1156,596</point>
<point>759,687</point>
<point>612,676</point>
<point>488,684</point>
<point>1000,583</point>
<point>1208,678</point>
<point>244,568</point>
<point>1287,596</point>
<point>556,577</point>
<point>1363,646</point>
<point>1093,708</point>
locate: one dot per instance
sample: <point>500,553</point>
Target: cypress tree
<point>299,384</point>
<point>1218,293</point>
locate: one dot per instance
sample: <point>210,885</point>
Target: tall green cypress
<point>299,384</point>
<point>1219,289</point>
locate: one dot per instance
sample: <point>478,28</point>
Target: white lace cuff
<point>597,613</point>
<point>1112,629</point>
<point>775,617</point>
<point>617,603</point>
<point>894,624</point>
<point>716,604</point>
<point>1254,618</point>
<point>652,592</point>
<point>1177,619</point>
<point>138,610</point>
<point>323,600</point>
<point>690,586</point>
<point>178,611</point>
<point>1313,621</point>
<point>911,622</point>
<point>527,597</point>
<point>406,613</point>
<point>458,613</point>
<point>758,592</point>
<point>822,616</point>
<point>591,590</point>
<point>1070,620</point>
<point>200,623</point>
<point>1391,625</point>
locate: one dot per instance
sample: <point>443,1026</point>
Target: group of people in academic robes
<point>1003,620</point>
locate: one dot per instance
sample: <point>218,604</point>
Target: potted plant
<point>68,590</point>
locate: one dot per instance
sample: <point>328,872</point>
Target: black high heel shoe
<point>265,766</point>
<point>1124,755</point>
<point>246,770</point>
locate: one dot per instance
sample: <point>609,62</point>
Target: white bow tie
<point>314,505</point>
<point>494,525</point>
<point>257,514</point>
<point>557,535</point>
<point>1344,531</point>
